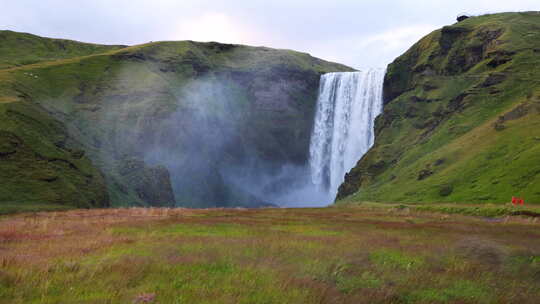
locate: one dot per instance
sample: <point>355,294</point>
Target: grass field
<point>367,253</point>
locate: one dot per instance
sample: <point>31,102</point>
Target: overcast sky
<point>359,33</point>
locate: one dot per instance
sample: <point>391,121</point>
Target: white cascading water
<point>343,132</point>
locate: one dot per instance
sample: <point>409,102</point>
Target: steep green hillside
<point>139,115</point>
<point>461,121</point>
<point>40,162</point>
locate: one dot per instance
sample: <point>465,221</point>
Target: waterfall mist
<point>225,148</point>
<point>210,164</point>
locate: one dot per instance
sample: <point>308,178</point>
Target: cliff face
<point>461,117</point>
<point>154,119</point>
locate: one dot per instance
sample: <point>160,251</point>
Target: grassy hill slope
<point>135,112</point>
<point>41,166</point>
<point>18,49</point>
<point>461,121</point>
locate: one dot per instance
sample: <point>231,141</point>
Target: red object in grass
<point>517,201</point>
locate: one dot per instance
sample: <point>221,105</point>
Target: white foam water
<point>343,131</point>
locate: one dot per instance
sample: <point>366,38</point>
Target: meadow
<point>365,253</point>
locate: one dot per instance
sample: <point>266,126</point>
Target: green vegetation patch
<point>395,259</point>
<point>351,283</point>
<point>461,291</point>
<point>485,211</point>
<point>186,230</point>
<point>308,230</point>
<point>18,49</point>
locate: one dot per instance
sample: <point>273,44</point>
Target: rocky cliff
<point>461,118</point>
<point>153,124</point>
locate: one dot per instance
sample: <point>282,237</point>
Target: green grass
<point>18,49</point>
<point>40,165</point>
<point>194,230</point>
<point>478,211</point>
<point>484,210</point>
<point>459,291</point>
<point>395,259</point>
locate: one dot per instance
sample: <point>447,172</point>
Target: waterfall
<point>343,131</point>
